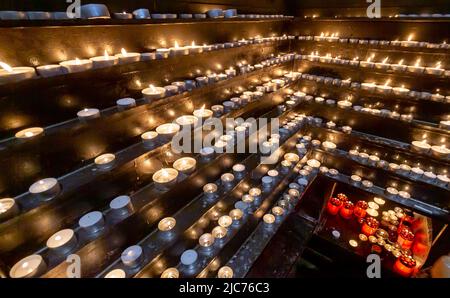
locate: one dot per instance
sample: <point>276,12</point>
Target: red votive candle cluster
<point>404,265</point>
<point>342,197</point>
<point>333,206</point>
<point>405,238</point>
<point>360,209</point>
<point>370,226</point>
<point>347,210</point>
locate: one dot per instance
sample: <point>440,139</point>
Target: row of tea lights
<point>416,172</point>
<point>153,93</point>
<point>397,239</point>
<point>408,43</point>
<point>382,65</point>
<point>14,74</point>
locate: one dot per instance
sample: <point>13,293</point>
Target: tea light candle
<point>239,171</point>
<point>225,272</point>
<point>367,183</point>
<point>47,71</point>
<point>63,241</point>
<point>104,61</point>
<point>207,152</point>
<point>314,163</point>
<point>45,189</point>
<point>194,49</point>
<point>268,219</point>
<point>420,146</point>
<point>178,51</point>
<point>28,267</point>
<point>8,208</point>
<point>162,53</point>
<point>167,131</point>
<point>206,240</point>
<point>188,258</point>
<point>227,180</point>
<point>170,273</point>
<point>440,151</point>
<point>153,93</point>
<point>167,224</point>
<point>248,199</point>
<point>436,70</point>
<point>292,157</point>
<point>392,191</point>
<point>149,138</point>
<point>210,190</point>
<point>132,256</point>
<point>165,178</point>
<point>125,57</point>
<point>123,15</point>
<point>77,65</point>
<point>404,194</point>
<point>400,91</point>
<point>92,222</point>
<point>185,165</point>
<point>29,133</point>
<point>219,232</point>
<point>236,214</point>
<point>10,74</point>
<point>277,211</point>
<point>429,176</point>
<point>328,146</point>
<point>105,161</point>
<point>88,114</point>
<point>267,181</point>
<point>116,273</point>
<point>125,103</point>
<point>416,68</point>
<point>202,113</point>
<point>218,110</point>
<point>121,206</point>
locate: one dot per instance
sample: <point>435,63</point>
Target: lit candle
<point>421,146</point>
<point>8,208</point>
<point>225,272</point>
<point>105,161</point>
<point>167,224</point>
<point>88,114</point>
<point>353,243</point>
<point>409,42</point>
<point>368,63</point>
<point>404,265</point>
<point>149,138</point>
<point>416,68</point>
<point>440,151</point>
<point>63,241</point>
<point>132,256</point>
<point>383,65</point>
<point>165,178</point>
<point>45,189</point>
<point>31,266</point>
<point>399,66</point>
<point>171,90</point>
<point>153,93</point>
<point>239,171</point>
<point>225,221</point>
<point>236,214</point>
<point>194,49</point>
<point>206,240</point>
<point>125,57</point>
<point>125,103</point>
<point>314,163</point>
<point>268,219</point>
<point>47,71</point>
<point>104,61</point>
<point>210,190</point>
<point>368,86</point>
<point>384,89</point>
<point>277,211</point>
<point>185,165</point>
<point>116,273</point>
<point>292,157</point>
<point>170,273</point>
<point>10,74</point>
<point>177,50</point>
<point>202,113</point>
<point>187,121</point>
<point>370,226</point>
<point>123,15</point>
<point>227,180</point>
<point>76,65</point>
<point>92,222</point>
<point>328,146</point>
<point>167,131</point>
<point>219,232</point>
<point>436,70</point>
<point>121,206</point>
<point>29,132</point>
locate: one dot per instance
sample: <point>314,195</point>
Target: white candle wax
<point>225,221</point>
<point>185,165</point>
<point>421,146</point>
<point>77,65</point>
<point>178,51</point>
<point>167,224</point>
<point>210,190</point>
<point>219,232</point>
<point>105,161</point>
<point>29,132</point>
<point>8,208</point>
<point>45,189</point>
<point>104,61</point>
<point>125,57</point>
<point>116,273</point>
<point>92,222</point>
<point>203,113</point>
<point>47,71</point>
<point>87,114</point>
<point>165,178</point>
<point>227,179</point>
<point>170,273</point>
<point>149,138</point>
<point>121,205</point>
<point>167,131</point>
<point>10,74</point>
<point>225,272</point>
<point>153,93</point>
<point>440,151</point>
<point>125,103</point>
<point>269,219</point>
<point>314,163</point>
<point>132,256</point>
<point>236,214</point>
<point>31,266</point>
<point>206,240</point>
<point>62,241</point>
<point>187,120</point>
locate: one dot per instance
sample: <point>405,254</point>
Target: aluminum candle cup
<point>15,74</point>
<point>165,178</point>
<point>206,241</point>
<point>104,61</point>
<point>227,180</point>
<point>125,57</point>
<point>219,233</point>
<point>94,11</point>
<point>142,13</point>
<point>167,225</point>
<point>62,242</point>
<point>185,165</point>
<point>29,133</point>
<point>121,206</point>
<point>225,272</point>
<point>153,93</point>
<point>116,273</point>
<point>8,208</point>
<point>236,215</point>
<point>440,151</point>
<point>170,273</point>
<point>125,103</point>
<point>210,190</point>
<point>268,220</point>
<point>132,256</point>
<point>88,114</point>
<point>28,267</point>
<point>105,161</point>
<point>12,15</point>
<point>92,222</point>
<point>45,189</point>
<point>167,131</point>
<point>47,71</point>
<point>149,138</point>
<point>77,65</point>
<point>420,146</point>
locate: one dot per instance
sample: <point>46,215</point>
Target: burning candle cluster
<point>393,233</point>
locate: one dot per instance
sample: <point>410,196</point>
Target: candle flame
<point>385,59</point>
<point>77,61</point>
<point>321,34</point>
<point>176,45</point>
<point>106,54</point>
<point>124,52</point>
<point>400,62</point>
<point>193,43</point>
<point>410,37</point>
<point>387,82</point>
<point>152,87</point>
<point>438,64</point>
<point>417,62</point>
<point>6,67</point>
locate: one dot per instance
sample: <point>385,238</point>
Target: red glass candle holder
<point>347,210</point>
<point>370,226</point>
<point>333,206</point>
<point>404,265</point>
<point>360,209</point>
<point>392,234</point>
<point>405,238</point>
<point>342,197</point>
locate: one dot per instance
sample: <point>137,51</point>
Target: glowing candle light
<point>167,131</point>
<point>132,256</point>
<point>368,63</point>
<point>225,221</point>
<point>202,113</point>
<point>10,74</point>
<point>116,273</point>
<point>206,240</point>
<point>149,138</point>
<point>178,51</point>
<point>125,57</point>
<point>399,66</point>
<point>153,93</point>
<point>31,266</point>
<point>167,224</point>
<point>436,70</point>
<point>29,133</point>
<point>45,189</point>
<point>105,161</point>
<point>195,49</point>
<point>76,65</point>
<point>227,180</point>
<point>8,208</point>
<point>210,190</point>
<point>185,165</point>
<point>268,219</point>
<point>383,65</point>
<point>225,272</point>
<point>187,121</point>
<point>104,61</point>
<point>421,146</point>
<point>165,178</point>
<point>219,232</point>
<point>88,114</point>
<point>416,68</point>
<point>170,273</point>
<point>236,214</point>
<point>440,151</point>
<point>47,71</point>
<point>63,241</point>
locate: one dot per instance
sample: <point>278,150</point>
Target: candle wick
<point>6,67</point>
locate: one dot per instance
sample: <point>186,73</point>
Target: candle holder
<point>189,258</point>
<point>170,273</point>
<point>8,208</point>
<point>219,233</point>
<point>227,180</point>
<point>153,93</point>
<point>28,133</point>
<point>28,267</point>
<point>77,65</point>
<point>210,191</point>
<point>167,131</point>
<point>225,272</point>
<point>116,273</point>
<point>346,210</point>
<point>92,222</point>
<point>105,161</point>
<point>125,103</point>
<point>149,139</point>
<point>360,209</point>
<point>165,178</point>
<point>236,215</point>
<point>62,242</point>
<point>45,189</point>
<point>124,57</point>
<point>104,61</point>
<point>88,114</point>
<point>268,220</point>
<point>370,226</point>
<point>121,206</point>
<point>141,13</point>
<point>404,266</point>
<point>94,11</point>
<point>47,71</point>
<point>207,153</point>
<point>225,221</point>
<point>132,257</point>
<point>405,238</point>
<point>185,165</point>
<point>166,227</point>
